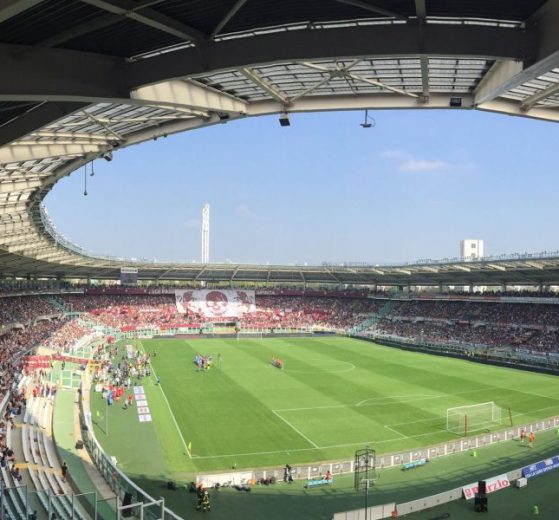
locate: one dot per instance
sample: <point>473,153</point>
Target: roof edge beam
<point>531,101</point>
<point>189,94</point>
<point>11,8</point>
<point>373,9</point>
<point>503,76</point>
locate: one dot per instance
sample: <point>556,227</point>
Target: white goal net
<point>249,335</point>
<point>471,418</point>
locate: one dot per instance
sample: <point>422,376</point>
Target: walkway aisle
<point>82,471</point>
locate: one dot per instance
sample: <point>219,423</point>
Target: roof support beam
<point>14,238</point>
<point>227,18</point>
<point>189,94</point>
<point>373,9</point>
<point>55,254</point>
<point>343,42</point>
<point>359,102</point>
<point>66,75</point>
<point>529,102</point>
<point>544,44</point>
<point>148,17</point>
<point>264,84</point>
<point>424,60</point>
<point>10,186</point>
<point>503,76</point>
<point>29,248</point>
<point>16,153</point>
<point>35,118</point>
<point>11,8</point>
<point>505,106</point>
<point>345,72</point>
<point>12,209</point>
<point>24,241</point>
<point>420,9</point>
<point>79,29</point>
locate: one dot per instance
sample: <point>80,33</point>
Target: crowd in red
<point>272,312</point>
<point>530,326</point>
<point>302,312</point>
<point>66,335</point>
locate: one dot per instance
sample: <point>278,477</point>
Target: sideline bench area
<point>317,482</point>
<point>414,464</point>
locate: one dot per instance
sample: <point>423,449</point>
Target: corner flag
<point>190,446</point>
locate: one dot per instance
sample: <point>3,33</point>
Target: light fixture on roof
<point>108,155</point>
<point>368,121</point>
<point>284,119</point>
<point>92,174</point>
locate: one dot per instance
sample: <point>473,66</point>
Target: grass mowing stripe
<point>248,409</point>
<point>154,375</point>
<point>295,429</point>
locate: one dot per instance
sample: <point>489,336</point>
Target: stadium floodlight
<point>108,156</point>
<point>369,121</point>
<point>284,119</point>
<point>471,418</point>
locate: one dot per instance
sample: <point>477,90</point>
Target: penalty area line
<point>295,429</point>
<point>154,375</point>
<point>396,432</point>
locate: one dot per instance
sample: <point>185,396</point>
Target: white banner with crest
<point>215,303</point>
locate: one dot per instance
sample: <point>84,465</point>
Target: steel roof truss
<point>149,17</point>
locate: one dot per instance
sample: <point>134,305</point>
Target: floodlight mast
<point>364,470</point>
<point>205,234</point>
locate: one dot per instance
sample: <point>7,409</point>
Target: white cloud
<point>244,211</point>
<point>410,163</point>
<point>394,154</point>
<point>192,223</point>
<point>423,165</point>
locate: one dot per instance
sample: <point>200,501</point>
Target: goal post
<point>471,418</point>
<point>250,335</point>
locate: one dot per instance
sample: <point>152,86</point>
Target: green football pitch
<point>334,395</point>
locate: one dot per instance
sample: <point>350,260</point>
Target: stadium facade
<point>82,79</point>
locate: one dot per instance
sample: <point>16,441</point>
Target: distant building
<point>471,249</point>
<point>206,233</point>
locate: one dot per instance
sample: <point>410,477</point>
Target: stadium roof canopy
<point>80,79</point>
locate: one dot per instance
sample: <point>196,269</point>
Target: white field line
<point>169,408</point>
<point>413,397</point>
<point>421,397</point>
<point>362,443</point>
<point>295,429</point>
<point>297,450</point>
<point>396,431</point>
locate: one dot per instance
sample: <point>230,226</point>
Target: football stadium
<point>322,390</point>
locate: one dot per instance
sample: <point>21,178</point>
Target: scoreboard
<point>128,276</point>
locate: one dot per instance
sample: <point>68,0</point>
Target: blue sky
<point>324,189</point>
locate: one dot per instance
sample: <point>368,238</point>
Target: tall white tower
<point>471,249</point>
<point>206,233</point>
